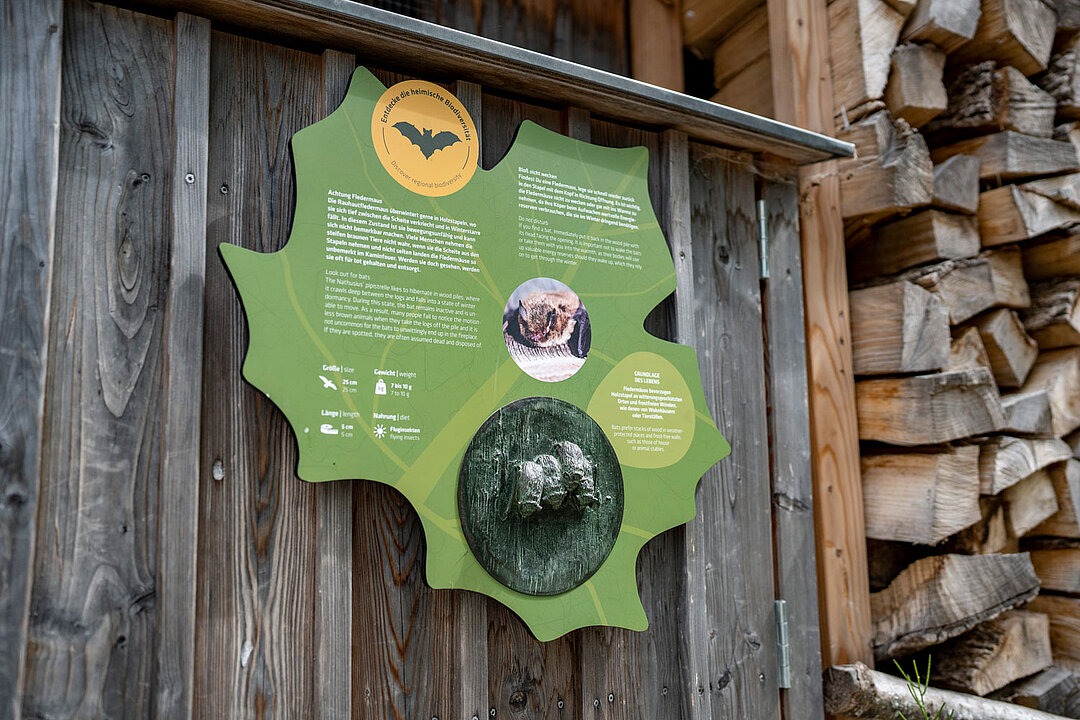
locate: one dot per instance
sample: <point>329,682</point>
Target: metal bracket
<point>763,238</point>
<point>783,652</point>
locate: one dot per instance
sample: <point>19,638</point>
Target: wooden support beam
<point>943,485</point>
<point>898,328</point>
<point>803,96</point>
<point>1011,350</point>
<point>929,409</point>
<point>1019,33</point>
<point>922,237</point>
<point>742,68</point>
<point>948,24</point>
<point>1005,461</point>
<point>943,596</point>
<point>656,42</point>
<point>1053,319</point>
<point>915,91</point>
<point>984,98</point>
<point>856,691</point>
<point>1009,155</point>
<point>956,184</point>
<point>989,657</point>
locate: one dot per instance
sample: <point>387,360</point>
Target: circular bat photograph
<point>547,330</point>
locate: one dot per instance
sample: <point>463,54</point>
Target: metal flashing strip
<point>376,34</point>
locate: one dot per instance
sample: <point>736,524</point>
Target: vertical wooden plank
<point>734,496</point>
<point>656,42</point>
<point>526,678</point>
<point>470,609</point>
<point>333,518</point>
<point>803,95</point>
<point>694,632</point>
<point>257,560</point>
<point>792,475</point>
<point>29,139</point>
<point>93,604</point>
<point>178,498</point>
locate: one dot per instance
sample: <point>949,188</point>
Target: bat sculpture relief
<point>427,142</point>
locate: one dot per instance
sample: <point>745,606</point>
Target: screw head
<point>189,178</point>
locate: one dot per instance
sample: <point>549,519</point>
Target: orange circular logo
<point>425,138</point>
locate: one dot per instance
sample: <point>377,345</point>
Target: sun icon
<point>380,431</point>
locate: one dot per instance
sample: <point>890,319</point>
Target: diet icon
<point>380,387</point>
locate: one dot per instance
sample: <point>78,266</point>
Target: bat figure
<point>427,142</point>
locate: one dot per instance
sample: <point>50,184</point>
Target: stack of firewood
<point>962,215</point>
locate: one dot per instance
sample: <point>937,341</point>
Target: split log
<point>1054,690</point>
<point>1005,461</point>
<point>945,23</point>
<point>984,98</point>
<point>898,328</point>
<point>1028,413</point>
<point>1065,478</point>
<point>956,184</point>
<point>1064,614</point>
<point>1062,80</point>
<point>862,34</point>
<point>969,287</point>
<point>1029,502</point>
<point>1069,132</point>
<point>856,691</point>
<point>1018,212</point>
<point>943,485</point>
<point>928,409</point>
<point>1055,257</point>
<point>990,534</point>
<point>1073,441</point>
<point>1053,319</point>
<point>967,351</point>
<point>920,238</point>
<point>892,172</point>
<point>942,596</point>
<point>915,91</point>
<point>1058,372</point>
<point>989,657</point>
<point>1009,155</point>
<point>1019,33</point>
<point>1068,12</point>
<point>1011,350</point>
<point>1057,563</point>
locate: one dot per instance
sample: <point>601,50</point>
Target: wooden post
<point>802,91</point>
<point>656,42</point>
<point>29,138</point>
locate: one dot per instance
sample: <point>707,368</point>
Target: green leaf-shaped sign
<point>475,339</point>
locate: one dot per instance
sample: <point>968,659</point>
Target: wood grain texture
<point>257,594</point>
<point>843,582</point>
<point>178,498</point>
<point>656,42</point>
<point>742,632</point>
<point>90,649</point>
<point>333,516</point>
<point>792,476</point>
<point>29,139</point>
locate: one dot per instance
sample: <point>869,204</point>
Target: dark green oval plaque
<point>540,495</point>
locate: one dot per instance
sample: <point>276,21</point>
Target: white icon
<point>380,387</point>
<point>327,383</point>
<point>328,429</point>
<point>380,431</point>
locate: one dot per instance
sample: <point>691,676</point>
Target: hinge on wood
<point>783,652</point>
<point>763,238</point>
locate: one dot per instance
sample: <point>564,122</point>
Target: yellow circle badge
<point>425,138</point>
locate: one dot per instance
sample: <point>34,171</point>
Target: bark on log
<point>984,98</point>
<point>1062,80</point>
<point>940,597</point>
<point>856,691</point>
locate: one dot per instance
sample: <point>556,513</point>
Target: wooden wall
<point>158,554</point>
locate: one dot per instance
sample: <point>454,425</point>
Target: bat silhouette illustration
<point>427,142</point>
